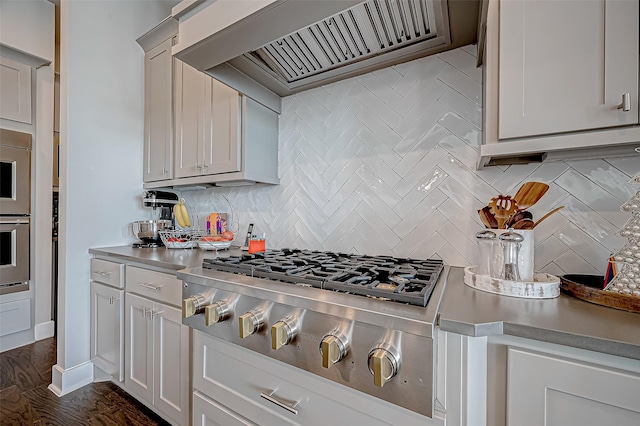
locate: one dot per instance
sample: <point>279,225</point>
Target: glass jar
<point>511,242</point>
<point>486,242</point>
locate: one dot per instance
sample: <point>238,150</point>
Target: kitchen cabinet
<point>15,81</point>
<point>207,412</point>
<point>207,125</point>
<point>546,389</point>
<point>107,317</point>
<point>502,380</point>
<point>158,114</point>
<point>555,93</point>
<point>157,344</point>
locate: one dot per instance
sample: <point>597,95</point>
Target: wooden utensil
<point>529,194</point>
<point>487,218</point>
<point>547,215</point>
<point>502,207</point>
<point>517,217</point>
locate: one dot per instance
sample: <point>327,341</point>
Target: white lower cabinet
<point>157,357</point>
<point>107,317</point>
<point>503,380</point>
<point>235,386</point>
<point>107,329</point>
<point>209,413</point>
<point>547,390</point>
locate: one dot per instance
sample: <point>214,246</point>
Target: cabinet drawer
<point>155,285</point>
<point>110,273</point>
<point>209,413</point>
<point>268,392</point>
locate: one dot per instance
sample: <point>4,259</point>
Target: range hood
<point>351,41</point>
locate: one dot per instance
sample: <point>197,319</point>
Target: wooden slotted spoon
<point>529,194</point>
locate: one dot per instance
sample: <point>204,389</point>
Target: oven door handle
<point>14,220</point>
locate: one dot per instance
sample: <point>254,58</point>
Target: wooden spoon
<point>547,215</point>
<point>529,194</point>
<point>487,218</point>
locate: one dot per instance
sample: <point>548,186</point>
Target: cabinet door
<point>222,136</point>
<point>565,65</point>
<point>158,98</point>
<point>107,329</point>
<point>545,390</point>
<point>15,94</point>
<point>139,347</point>
<point>207,412</point>
<point>190,121</point>
<point>171,358</point>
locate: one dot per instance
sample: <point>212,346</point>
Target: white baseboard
<point>44,330</point>
<point>67,380</point>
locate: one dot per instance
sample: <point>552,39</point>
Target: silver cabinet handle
<point>150,286</point>
<point>290,408</point>
<point>113,299</point>
<point>102,273</point>
<point>626,102</point>
<point>152,314</point>
<point>144,312</point>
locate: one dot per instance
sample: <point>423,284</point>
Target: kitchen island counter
<point>563,320</point>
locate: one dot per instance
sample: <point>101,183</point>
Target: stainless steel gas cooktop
<point>401,280</point>
<point>306,309</point>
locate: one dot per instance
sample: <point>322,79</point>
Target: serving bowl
<point>148,230</point>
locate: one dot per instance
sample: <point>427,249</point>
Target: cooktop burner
<point>401,280</point>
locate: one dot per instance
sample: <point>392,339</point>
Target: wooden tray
<point>589,289</point>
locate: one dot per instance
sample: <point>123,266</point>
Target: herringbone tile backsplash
<point>384,163</point>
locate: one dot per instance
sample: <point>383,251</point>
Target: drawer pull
<point>150,286</point>
<point>269,397</point>
<point>113,299</point>
<point>102,273</point>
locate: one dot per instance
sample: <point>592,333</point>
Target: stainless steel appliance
<point>15,210</point>
<point>366,322</point>
<point>148,230</point>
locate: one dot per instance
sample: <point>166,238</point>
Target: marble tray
<point>543,286</point>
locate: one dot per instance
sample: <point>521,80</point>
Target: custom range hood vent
<point>364,31</point>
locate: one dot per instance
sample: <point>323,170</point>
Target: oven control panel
<point>391,365</point>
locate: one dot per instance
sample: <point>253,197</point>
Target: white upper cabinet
<point>207,125</point>
<point>565,65</point>
<point>158,119</point>
<point>15,85</point>
<point>556,73</point>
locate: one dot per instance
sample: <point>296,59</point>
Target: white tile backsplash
<point>384,164</point>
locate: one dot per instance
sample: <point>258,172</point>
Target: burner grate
<point>402,280</point>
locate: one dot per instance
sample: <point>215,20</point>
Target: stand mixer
<point>148,230</point>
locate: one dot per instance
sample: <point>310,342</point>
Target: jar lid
<point>511,236</point>
<point>486,235</point>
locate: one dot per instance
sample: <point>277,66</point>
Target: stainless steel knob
<point>332,348</point>
<point>383,364</point>
<point>216,312</point>
<point>283,332</point>
<point>193,305</point>
<point>250,323</point>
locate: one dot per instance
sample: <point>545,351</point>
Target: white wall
<point>101,134</point>
<point>384,164</point>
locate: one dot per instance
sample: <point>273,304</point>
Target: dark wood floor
<point>25,374</point>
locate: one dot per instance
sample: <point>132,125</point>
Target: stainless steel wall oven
<point>15,210</point>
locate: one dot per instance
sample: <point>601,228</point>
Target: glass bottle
<point>486,241</point>
<point>511,242</point>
